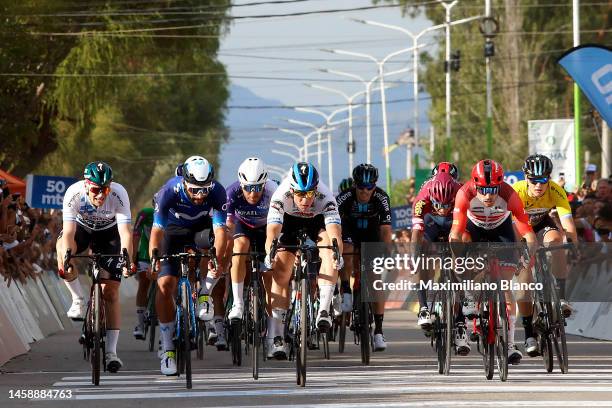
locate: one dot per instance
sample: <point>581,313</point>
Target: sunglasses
<point>253,188</point>
<point>95,190</point>
<point>200,189</point>
<point>439,206</point>
<point>488,190</point>
<point>304,194</point>
<point>538,180</point>
<point>366,186</point>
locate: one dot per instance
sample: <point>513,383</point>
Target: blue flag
<point>590,65</point>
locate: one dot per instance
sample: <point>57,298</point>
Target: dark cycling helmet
<point>443,188</point>
<point>197,170</point>
<point>98,173</point>
<point>345,185</point>
<point>365,174</point>
<point>446,167</point>
<point>304,177</point>
<point>487,173</point>
<point>537,165</point>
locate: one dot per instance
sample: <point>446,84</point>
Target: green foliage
<point>143,125</point>
<point>527,82</point>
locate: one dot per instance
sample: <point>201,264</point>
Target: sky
<point>277,48</point>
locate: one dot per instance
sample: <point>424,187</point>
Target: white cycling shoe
<point>424,321</point>
<point>379,342</point>
<point>566,308</point>
<point>469,309</point>
<point>514,355</point>
<point>236,312</point>
<point>531,347</point>
<point>278,349</point>
<point>462,346</point>
<point>324,322</point>
<point>113,363</point>
<point>139,333</point>
<point>168,363</point>
<point>206,310</point>
<point>77,310</point>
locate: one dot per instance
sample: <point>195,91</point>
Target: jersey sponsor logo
<point>277,205</point>
<point>330,206</point>
<point>418,208</point>
<point>224,207</point>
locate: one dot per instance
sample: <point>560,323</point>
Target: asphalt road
<point>404,375</point>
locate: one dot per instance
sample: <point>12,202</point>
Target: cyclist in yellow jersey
<point>539,195</point>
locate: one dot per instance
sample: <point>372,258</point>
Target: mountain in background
<point>250,137</point>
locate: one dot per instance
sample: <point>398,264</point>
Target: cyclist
<point>345,185</point>
<point>96,215</point>
<point>247,212</point>
<point>365,211</point>
<point>432,218</point>
<point>539,195</point>
<point>141,235</point>
<point>483,212</point>
<point>446,167</point>
<point>300,202</point>
<point>184,207</point>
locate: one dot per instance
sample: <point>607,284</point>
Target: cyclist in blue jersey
<point>183,210</point>
<point>247,213</point>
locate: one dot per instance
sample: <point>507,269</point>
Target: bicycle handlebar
<point>276,246</point>
<point>211,254</point>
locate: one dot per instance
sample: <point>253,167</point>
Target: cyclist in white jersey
<point>300,202</point>
<point>96,215</point>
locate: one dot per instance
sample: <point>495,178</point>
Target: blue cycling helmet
<point>304,177</point>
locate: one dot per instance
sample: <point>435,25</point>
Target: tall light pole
<point>349,101</point>
<point>294,132</point>
<point>576,32</point>
<point>328,123</point>
<point>489,27</point>
<point>448,6</point>
<point>314,128</point>
<point>368,87</point>
<point>381,77</point>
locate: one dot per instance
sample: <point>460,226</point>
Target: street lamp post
<point>381,77</point>
<point>489,27</point>
<point>448,7</point>
<point>296,133</point>
<point>317,130</point>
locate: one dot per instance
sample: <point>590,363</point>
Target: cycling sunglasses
<point>439,206</point>
<point>304,194</point>
<point>253,188</point>
<point>488,190</point>
<point>366,186</point>
<point>96,190</point>
<point>538,180</point>
<point>195,190</point>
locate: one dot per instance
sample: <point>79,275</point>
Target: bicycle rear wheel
<point>152,316</point>
<point>501,335</point>
<point>201,339</point>
<point>559,339</point>
<point>235,341</point>
<point>96,356</point>
<point>488,343</point>
<point>342,332</point>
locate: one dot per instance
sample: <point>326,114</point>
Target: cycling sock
<point>208,284</point>
<point>75,288</point>
<point>166,332</point>
<point>561,285</point>
<point>511,328</point>
<point>271,328</point>
<point>237,292</point>
<point>527,324</point>
<point>423,298</point>
<point>378,321</point>
<point>112,335</point>
<point>346,286</point>
<point>278,318</point>
<point>140,312</point>
<point>326,293</point>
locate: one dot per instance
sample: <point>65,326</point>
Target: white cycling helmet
<point>197,170</point>
<point>252,171</point>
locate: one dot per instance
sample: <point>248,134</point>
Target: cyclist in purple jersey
<point>247,212</point>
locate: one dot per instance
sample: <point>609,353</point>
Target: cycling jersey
<point>422,205</point>
<point>115,209</point>
<point>142,229</point>
<point>252,215</point>
<point>538,207</point>
<point>173,206</point>
<point>507,203</point>
<point>362,221</point>
<point>282,204</point>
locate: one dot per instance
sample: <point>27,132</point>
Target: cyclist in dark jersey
<point>141,235</point>
<point>365,211</point>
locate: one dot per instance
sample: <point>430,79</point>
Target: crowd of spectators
<point>27,238</point>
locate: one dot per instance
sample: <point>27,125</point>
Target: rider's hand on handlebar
<point>338,263</point>
<point>69,274</point>
<point>268,262</point>
<point>213,269</point>
<point>127,272</point>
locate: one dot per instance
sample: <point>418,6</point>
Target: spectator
<point>603,192</point>
<point>603,222</point>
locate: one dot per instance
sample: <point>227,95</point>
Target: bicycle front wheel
<point>342,332</point>
<point>488,337</point>
<point>304,328</point>
<point>448,331</point>
<point>255,334</point>
<point>364,332</point>
<point>185,332</point>
<point>96,355</point>
<point>501,336</point>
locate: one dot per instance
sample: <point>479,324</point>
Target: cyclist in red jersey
<point>483,212</point>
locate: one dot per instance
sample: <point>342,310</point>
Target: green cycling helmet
<point>98,173</point>
<point>345,184</point>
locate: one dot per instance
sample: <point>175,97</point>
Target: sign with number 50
<point>47,191</point>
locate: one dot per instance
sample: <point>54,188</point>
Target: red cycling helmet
<point>446,167</point>
<point>443,189</point>
<point>487,173</point>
